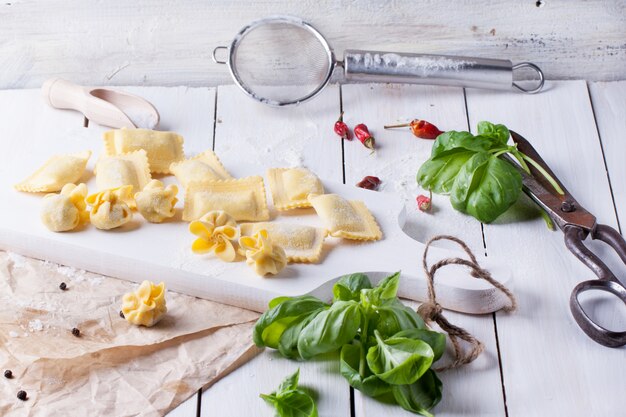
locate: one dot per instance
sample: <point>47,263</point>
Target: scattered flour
<point>19,261</point>
<point>14,334</point>
<point>35,325</point>
<point>424,65</point>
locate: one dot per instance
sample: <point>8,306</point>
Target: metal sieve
<point>283,60</point>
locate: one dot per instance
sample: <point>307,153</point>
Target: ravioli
<point>215,231</point>
<point>202,167</point>
<point>109,208</point>
<point>118,171</point>
<point>162,148</point>
<point>301,243</point>
<point>55,173</point>
<point>262,254</point>
<point>291,187</point>
<point>157,202</point>
<point>243,199</point>
<point>346,219</point>
<point>146,306</point>
<point>66,210</point>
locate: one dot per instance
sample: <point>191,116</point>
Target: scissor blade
<point>526,148</point>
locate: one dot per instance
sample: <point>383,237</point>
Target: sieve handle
<point>376,66</point>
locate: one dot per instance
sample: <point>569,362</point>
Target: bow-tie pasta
<point>65,211</point>
<point>156,202</point>
<point>118,171</point>
<point>346,219</point>
<point>215,230</point>
<point>243,198</point>
<point>145,306</point>
<point>291,187</point>
<point>162,148</point>
<point>109,208</point>
<point>301,243</point>
<point>263,255</point>
<point>205,166</point>
<point>55,173</point>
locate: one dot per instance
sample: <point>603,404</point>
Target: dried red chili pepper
<point>424,203</point>
<point>341,128</point>
<point>420,128</point>
<point>363,134</point>
<point>369,183</point>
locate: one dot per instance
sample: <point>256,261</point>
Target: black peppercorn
<point>63,286</point>
<point>8,374</point>
<point>22,395</point>
<point>122,314</point>
<point>76,332</point>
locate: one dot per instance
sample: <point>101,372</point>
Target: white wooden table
<point>537,361</point>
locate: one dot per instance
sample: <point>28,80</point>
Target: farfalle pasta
<point>301,243</point>
<point>55,173</point>
<point>263,255</point>
<point>162,148</point>
<point>109,208</point>
<point>118,171</point>
<point>291,187</point>
<point>66,210</point>
<point>216,232</point>
<point>346,219</point>
<point>202,167</point>
<point>243,199</point>
<point>157,202</point>
<point>145,306</point>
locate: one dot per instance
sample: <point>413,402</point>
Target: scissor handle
<point>607,281</point>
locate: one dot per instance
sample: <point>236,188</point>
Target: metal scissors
<point>576,224</point>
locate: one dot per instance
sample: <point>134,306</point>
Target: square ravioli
<point>301,243</point>
<point>243,199</point>
<point>55,173</point>
<point>202,167</point>
<point>128,169</point>
<point>346,219</point>
<point>162,148</point>
<point>291,187</point>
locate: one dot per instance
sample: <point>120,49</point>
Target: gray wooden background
<point>156,42</point>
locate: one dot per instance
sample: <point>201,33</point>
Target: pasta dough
<point>109,209</point>
<point>162,148</point>
<point>346,219</point>
<point>243,199</point>
<point>118,171</point>
<point>156,202</point>
<point>291,187</point>
<point>263,255</point>
<point>215,230</point>
<point>65,211</point>
<point>145,306</point>
<point>55,173</point>
<point>301,243</point>
<point>205,166</point>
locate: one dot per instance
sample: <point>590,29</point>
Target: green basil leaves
<point>290,401</point>
<point>386,351</point>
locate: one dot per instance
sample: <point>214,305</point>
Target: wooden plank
<point>187,409</point>
<point>162,43</point>
<point>470,390</point>
<point>609,104</point>
<point>550,366</point>
<point>251,133</point>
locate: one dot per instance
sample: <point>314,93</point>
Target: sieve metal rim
<point>292,20</point>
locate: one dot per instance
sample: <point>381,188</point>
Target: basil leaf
<point>394,316</point>
<point>420,396</point>
<point>499,133</point>
<point>384,291</point>
<point>485,187</point>
<point>349,287</point>
<point>455,140</point>
<point>289,383</point>
<point>271,325</point>
<point>369,385</point>
<point>399,360</point>
<point>438,173</point>
<point>436,340</point>
<point>288,344</point>
<point>330,329</point>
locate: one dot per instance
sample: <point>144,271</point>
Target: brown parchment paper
<point>114,368</point>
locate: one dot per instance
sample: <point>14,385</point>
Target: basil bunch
<point>291,401</point>
<point>469,169</point>
<point>386,351</point>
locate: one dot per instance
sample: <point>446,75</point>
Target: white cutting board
<point>161,252</point>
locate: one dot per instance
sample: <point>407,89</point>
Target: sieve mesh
<point>280,61</point>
